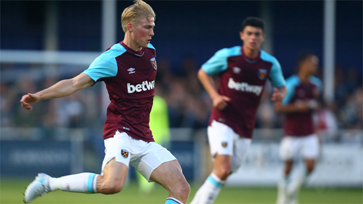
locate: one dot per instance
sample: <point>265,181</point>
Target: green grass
<point>11,191</point>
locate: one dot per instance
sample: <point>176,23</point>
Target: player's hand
<point>277,96</point>
<point>220,102</point>
<point>303,106</point>
<point>28,99</point>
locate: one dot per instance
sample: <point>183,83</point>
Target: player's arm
<point>60,89</point>
<point>279,94</point>
<point>219,101</point>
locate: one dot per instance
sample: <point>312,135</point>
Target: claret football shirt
<point>130,80</point>
<point>242,80</point>
<point>300,124</point>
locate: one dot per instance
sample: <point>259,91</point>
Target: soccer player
<point>299,132</point>
<point>128,68</point>
<point>243,71</point>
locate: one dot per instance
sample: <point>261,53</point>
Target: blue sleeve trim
<point>276,77</point>
<point>90,183</point>
<point>317,82</point>
<point>105,65</point>
<point>218,62</point>
<point>291,83</point>
<point>214,182</point>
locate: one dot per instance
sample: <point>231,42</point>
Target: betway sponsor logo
<point>144,86</point>
<point>245,87</point>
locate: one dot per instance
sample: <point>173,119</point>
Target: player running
<point>299,133</point>
<point>243,71</point>
<point>128,68</point>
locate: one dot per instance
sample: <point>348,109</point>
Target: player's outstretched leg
<point>38,187</point>
<point>43,183</point>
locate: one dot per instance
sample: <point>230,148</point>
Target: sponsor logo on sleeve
<point>153,63</point>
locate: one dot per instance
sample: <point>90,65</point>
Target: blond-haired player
<point>128,69</point>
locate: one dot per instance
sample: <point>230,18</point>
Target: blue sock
<point>172,200</point>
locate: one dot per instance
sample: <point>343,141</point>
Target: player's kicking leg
<point>112,181</point>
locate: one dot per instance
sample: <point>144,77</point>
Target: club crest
<point>153,63</point>
<point>262,74</point>
<point>224,144</point>
<point>124,153</point>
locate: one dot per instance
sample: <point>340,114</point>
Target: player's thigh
<point>117,148</point>
<point>310,148</point>
<point>116,161</point>
<point>168,174</point>
<point>241,146</point>
<point>115,173</point>
<point>289,148</point>
<point>152,156</point>
<point>221,138</point>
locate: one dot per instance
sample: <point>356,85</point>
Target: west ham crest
<point>124,153</point>
<point>262,74</point>
<point>153,63</point>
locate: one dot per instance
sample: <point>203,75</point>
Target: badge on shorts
<point>124,153</point>
<point>224,144</point>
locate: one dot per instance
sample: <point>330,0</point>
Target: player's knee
<point>110,188</point>
<point>224,172</point>
<point>183,189</point>
<point>309,169</point>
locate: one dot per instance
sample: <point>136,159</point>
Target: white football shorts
<point>224,141</point>
<point>144,156</point>
<point>308,147</point>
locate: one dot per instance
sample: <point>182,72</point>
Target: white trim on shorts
<point>224,141</point>
<point>144,156</point>
<point>308,146</point>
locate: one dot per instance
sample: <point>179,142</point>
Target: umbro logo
<point>236,70</point>
<point>131,70</point>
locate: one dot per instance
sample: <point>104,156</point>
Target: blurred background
<point>46,41</point>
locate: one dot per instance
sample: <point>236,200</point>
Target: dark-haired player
<point>299,133</point>
<point>128,68</point>
<point>243,71</point>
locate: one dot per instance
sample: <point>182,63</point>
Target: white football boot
<point>38,187</point>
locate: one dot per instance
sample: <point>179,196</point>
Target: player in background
<point>300,136</point>
<point>243,71</point>
<point>128,68</point>
<point>159,126</point>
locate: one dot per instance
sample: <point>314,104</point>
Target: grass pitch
<point>11,191</point>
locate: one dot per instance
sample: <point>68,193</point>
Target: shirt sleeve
<point>291,83</point>
<point>276,77</point>
<point>317,82</point>
<point>102,67</point>
<point>217,63</point>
